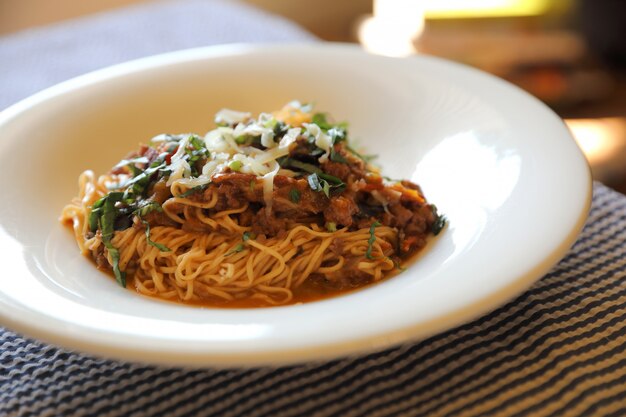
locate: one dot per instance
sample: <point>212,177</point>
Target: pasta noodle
<point>232,219</point>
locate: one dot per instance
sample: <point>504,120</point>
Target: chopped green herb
<point>303,166</point>
<point>294,195</point>
<point>279,128</point>
<point>320,119</point>
<point>336,182</point>
<point>197,144</point>
<point>195,151</point>
<point>321,183</point>
<point>96,212</point>
<point>326,188</point>
<point>148,207</point>
<point>318,184</point>
<point>337,157</point>
<point>371,240</point>
<point>366,158</point>
<point>106,223</point>
<point>144,210</point>
<point>120,276</point>
<point>337,134</point>
<point>311,169</point>
<point>235,165</point>
<point>331,226</point>
<point>157,245</point>
<point>240,247</point>
<point>139,183</point>
<point>194,190</point>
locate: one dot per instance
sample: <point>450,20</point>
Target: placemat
<point>556,350</point>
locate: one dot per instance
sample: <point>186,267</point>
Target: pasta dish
<point>261,211</point>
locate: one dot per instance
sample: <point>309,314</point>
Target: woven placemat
<point>556,350</point>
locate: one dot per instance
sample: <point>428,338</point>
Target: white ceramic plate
<point>499,164</point>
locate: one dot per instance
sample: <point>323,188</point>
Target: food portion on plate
<point>264,211</point>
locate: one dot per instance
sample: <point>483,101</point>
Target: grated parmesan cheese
<point>232,142</point>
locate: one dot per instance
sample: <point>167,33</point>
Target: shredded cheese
<point>231,117</point>
<point>232,141</point>
<point>268,188</point>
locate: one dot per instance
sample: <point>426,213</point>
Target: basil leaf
<point>365,158</point>
<point>311,169</point>
<point>337,134</point>
<point>337,157</point>
<point>196,189</point>
<point>196,150</point>
<point>157,245</point>
<point>241,246</point>
<point>120,276</point>
<point>294,195</point>
<point>144,210</point>
<point>320,183</point>
<point>326,188</point>
<point>371,240</point>
<point>320,119</point>
<point>332,179</point>
<point>197,144</point>
<point>138,184</point>
<point>96,212</point>
<point>303,166</point>
<point>148,207</point>
<point>107,222</point>
<point>279,127</point>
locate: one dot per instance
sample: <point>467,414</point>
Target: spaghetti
<point>258,212</point>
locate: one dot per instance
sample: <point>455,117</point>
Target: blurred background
<point>571,54</point>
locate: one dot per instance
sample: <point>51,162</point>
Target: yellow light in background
<point>396,24</point>
<point>603,141</point>
<point>393,28</point>
<point>443,9</point>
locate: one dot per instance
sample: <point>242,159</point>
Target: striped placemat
<point>556,350</point>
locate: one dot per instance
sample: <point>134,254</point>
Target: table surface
<point>558,349</point>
